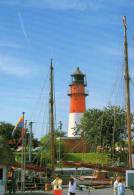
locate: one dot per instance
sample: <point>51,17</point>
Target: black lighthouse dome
<point>78,77</point>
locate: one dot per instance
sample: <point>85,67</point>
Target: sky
<point>84,33</point>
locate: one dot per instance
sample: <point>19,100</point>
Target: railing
<point>70,93</point>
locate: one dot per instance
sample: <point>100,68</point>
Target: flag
<point>19,124</point>
<point>23,133</point>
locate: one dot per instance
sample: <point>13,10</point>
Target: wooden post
<point>127,93</point>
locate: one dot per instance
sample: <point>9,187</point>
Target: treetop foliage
<point>103,127</point>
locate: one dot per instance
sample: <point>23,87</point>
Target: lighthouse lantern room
<point>77,95</point>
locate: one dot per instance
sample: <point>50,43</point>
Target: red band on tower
<point>77,99</point>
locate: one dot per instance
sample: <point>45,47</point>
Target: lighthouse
<point>77,95</point>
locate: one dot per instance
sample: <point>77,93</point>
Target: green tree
<point>6,154</point>
<point>103,127</point>
<point>6,131</point>
<point>114,125</point>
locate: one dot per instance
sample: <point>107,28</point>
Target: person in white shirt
<point>72,186</point>
<point>121,187</point>
<point>115,186</point>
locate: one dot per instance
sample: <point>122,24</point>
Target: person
<point>57,185</point>
<point>115,186</point>
<point>72,186</point>
<point>12,181</point>
<point>121,187</point>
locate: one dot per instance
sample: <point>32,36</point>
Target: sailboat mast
<point>51,102</point>
<point>127,93</point>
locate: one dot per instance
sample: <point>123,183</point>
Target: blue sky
<point>84,33</point>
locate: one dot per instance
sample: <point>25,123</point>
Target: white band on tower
<point>74,119</point>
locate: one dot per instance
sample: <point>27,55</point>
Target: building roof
<point>77,72</point>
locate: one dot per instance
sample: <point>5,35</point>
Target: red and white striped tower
<point>77,100</point>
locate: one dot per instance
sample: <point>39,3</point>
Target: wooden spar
<point>51,103</point>
<point>127,93</point>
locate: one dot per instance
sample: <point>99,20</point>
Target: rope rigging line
<point>130,31</point>
<point>36,115</point>
<point>132,105</point>
<point>116,88</point>
<point>116,83</point>
<point>44,85</point>
<point>132,82</point>
<point>40,105</point>
<point>131,96</point>
<point>55,119</point>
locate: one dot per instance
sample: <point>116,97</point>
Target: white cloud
<point>15,66</point>
<point>57,4</point>
<point>23,27</point>
<point>9,44</point>
<point>68,4</point>
<point>110,50</point>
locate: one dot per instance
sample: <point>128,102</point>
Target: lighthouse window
<point>79,78</point>
<point>1,173</point>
